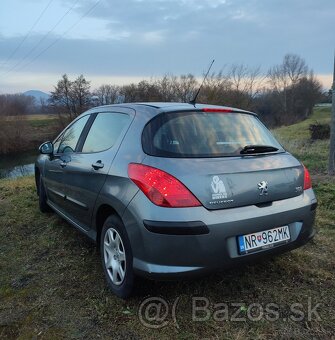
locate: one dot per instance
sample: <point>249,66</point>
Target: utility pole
<point>331,164</point>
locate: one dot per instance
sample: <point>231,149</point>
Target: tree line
<point>285,94</point>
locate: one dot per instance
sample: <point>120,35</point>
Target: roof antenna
<point>193,101</point>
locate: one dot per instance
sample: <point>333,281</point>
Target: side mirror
<point>46,148</point>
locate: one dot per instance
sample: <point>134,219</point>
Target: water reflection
<point>17,165</point>
<point>17,171</point>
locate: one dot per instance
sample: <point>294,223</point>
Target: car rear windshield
<point>204,134</point>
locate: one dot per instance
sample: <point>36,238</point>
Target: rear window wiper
<point>250,149</point>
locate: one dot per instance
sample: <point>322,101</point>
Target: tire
<point>42,197</point>
<point>117,257</point>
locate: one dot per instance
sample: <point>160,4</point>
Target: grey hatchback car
<point>169,190</point>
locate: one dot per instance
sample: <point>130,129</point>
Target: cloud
<point>152,37</point>
<point>136,38</point>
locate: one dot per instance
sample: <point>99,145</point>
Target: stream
<point>17,165</point>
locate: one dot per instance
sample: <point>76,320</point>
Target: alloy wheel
<point>114,256</point>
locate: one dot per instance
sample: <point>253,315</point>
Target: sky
<point>124,41</point>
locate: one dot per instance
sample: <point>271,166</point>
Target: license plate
<point>263,239</point>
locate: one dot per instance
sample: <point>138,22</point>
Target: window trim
<point>59,137</point>
<point>85,132</point>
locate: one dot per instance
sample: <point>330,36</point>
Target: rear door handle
<point>98,165</point>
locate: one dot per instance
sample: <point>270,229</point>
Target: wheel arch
<point>103,212</point>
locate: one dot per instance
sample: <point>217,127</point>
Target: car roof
<point>172,107</point>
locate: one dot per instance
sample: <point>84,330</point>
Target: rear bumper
<point>172,272</point>
<point>164,255</point>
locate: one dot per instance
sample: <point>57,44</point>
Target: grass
<point>52,284</point>
<point>42,127</point>
<point>42,123</point>
<point>296,138</point>
<point>26,133</point>
<point>35,117</point>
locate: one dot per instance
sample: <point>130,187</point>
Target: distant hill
<point>38,95</point>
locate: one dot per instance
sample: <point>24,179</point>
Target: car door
<point>64,148</point>
<point>85,175</point>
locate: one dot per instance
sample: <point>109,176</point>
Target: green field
<point>42,126</point>
<point>42,121</point>
<point>52,284</point>
<point>25,133</point>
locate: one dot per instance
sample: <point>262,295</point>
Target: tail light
<point>160,187</point>
<point>307,179</point>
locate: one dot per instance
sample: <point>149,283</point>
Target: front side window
<point>72,135</point>
<point>203,134</point>
<point>105,130</point>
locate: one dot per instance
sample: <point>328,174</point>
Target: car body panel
<point>82,185</point>
<point>53,176</point>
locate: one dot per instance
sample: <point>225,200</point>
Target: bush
<point>319,131</point>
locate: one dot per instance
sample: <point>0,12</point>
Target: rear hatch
<point>227,183</point>
<point>212,154</point>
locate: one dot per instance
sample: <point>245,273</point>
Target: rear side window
<point>203,134</point>
<point>105,131</point>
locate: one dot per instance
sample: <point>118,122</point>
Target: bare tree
<point>236,85</point>
<point>80,93</point>
<point>144,91</point>
<point>185,87</point>
<point>279,83</point>
<point>107,94</point>
<point>288,72</point>
<point>245,84</point>
<point>305,94</point>
<point>70,98</point>
<point>166,88</point>
<point>284,80</point>
<point>129,93</point>
<point>215,88</point>
<point>61,97</point>
<point>294,67</point>
<point>147,91</point>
